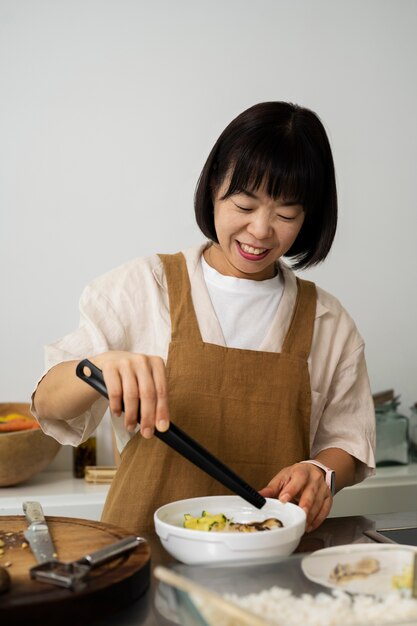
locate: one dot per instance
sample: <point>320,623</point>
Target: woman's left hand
<point>303,483</point>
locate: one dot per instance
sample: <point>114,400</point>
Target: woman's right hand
<point>132,378</point>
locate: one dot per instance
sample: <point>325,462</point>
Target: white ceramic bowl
<point>203,547</point>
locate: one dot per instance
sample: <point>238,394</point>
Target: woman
<point>264,369</point>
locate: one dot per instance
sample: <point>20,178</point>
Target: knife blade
<point>37,534</point>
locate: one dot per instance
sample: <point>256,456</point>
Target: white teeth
<point>251,250</point>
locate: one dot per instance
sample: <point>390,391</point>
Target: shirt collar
<point>192,257</point>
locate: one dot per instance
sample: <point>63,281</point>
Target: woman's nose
<point>260,225</point>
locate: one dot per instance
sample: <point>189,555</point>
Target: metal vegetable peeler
<point>73,575</point>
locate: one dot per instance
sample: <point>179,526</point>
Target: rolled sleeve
<point>99,330</point>
<point>348,418</point>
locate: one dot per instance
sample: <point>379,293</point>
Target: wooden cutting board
<point>110,587</point>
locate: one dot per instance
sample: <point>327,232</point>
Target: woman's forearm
<point>342,463</point>
<point>130,378</point>
<point>61,394</point>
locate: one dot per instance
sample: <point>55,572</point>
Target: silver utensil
<point>37,534</point>
<point>73,575</point>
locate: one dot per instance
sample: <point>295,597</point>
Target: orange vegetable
<point>15,421</point>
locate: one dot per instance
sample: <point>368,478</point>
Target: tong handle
<point>182,443</point>
<point>111,552</point>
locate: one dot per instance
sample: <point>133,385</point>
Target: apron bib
<point>251,409</point>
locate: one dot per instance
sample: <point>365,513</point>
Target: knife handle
<point>33,511</point>
<point>107,554</point>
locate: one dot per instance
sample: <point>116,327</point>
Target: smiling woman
<point>265,370</point>
<point>253,231</point>
<point>278,153</point>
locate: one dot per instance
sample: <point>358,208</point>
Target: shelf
<point>392,489</point>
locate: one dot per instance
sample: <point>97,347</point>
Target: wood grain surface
<point>111,586</point>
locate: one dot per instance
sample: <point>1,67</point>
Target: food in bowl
<point>218,522</point>
<point>192,546</point>
<point>12,422</point>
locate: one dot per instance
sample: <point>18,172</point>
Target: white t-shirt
<point>238,302</point>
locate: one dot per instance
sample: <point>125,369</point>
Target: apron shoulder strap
<point>300,333</point>
<point>184,323</point>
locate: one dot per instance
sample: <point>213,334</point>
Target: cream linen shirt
<point>127,309</point>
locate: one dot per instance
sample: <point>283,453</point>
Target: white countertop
<point>390,476</point>
<point>59,493</point>
<point>392,489</point>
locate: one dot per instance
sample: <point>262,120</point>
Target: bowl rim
<point>184,533</point>
<point>19,432</point>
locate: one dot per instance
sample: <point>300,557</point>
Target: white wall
<point>108,109</point>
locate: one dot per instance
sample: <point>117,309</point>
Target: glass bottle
<point>412,433</point>
<point>391,434</point>
<point>83,455</point>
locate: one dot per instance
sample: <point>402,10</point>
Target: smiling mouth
<point>250,252</point>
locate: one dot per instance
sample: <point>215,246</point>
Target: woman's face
<point>253,230</point>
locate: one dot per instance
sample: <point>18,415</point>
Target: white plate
<point>393,560</point>
<point>201,547</point>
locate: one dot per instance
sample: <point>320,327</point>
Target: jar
<point>412,433</point>
<point>392,430</point>
<point>83,455</point>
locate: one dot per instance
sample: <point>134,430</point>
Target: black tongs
<point>182,443</point>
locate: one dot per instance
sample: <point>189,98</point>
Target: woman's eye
<point>286,218</point>
<point>243,208</point>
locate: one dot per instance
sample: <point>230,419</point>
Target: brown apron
<point>251,409</point>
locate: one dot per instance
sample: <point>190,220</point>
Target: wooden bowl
<point>23,453</point>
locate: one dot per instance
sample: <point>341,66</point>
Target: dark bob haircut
<point>283,148</point>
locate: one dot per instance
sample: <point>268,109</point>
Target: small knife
<point>38,534</point>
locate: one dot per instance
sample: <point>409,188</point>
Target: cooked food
<point>405,579</point>
<point>278,605</point>
<point>220,523</point>
<point>345,572</point>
